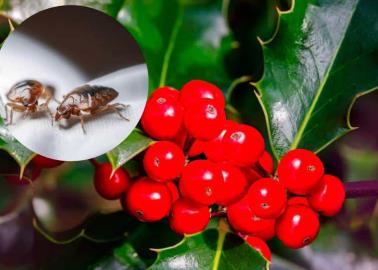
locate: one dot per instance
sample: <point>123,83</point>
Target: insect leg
<point>82,124</point>
<point>116,107</point>
<point>45,107</point>
<point>110,107</point>
<point>14,107</point>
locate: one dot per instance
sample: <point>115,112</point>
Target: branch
<point>361,189</point>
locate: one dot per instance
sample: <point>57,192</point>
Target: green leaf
<point>20,153</point>
<point>215,248</point>
<point>181,40</point>
<point>136,143</point>
<point>322,58</point>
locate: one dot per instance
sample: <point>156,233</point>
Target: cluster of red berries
<point>202,159</point>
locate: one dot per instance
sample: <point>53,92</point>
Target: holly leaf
<point>181,40</point>
<point>322,58</point>
<point>136,143</point>
<point>8,143</point>
<point>214,248</point>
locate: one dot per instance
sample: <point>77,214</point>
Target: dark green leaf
<point>20,153</point>
<point>215,248</point>
<point>323,57</point>
<point>181,40</point>
<point>136,143</point>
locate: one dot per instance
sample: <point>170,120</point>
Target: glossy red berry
<point>196,149</point>
<point>44,162</point>
<point>268,233</point>
<point>187,218</point>
<point>244,220</point>
<point>234,184</point>
<point>214,149</point>
<point>298,226</point>
<point>253,173</point>
<point>163,161</point>
<point>300,171</point>
<point>267,198</point>
<point>166,91</point>
<point>204,120</point>
<point>31,173</point>
<point>173,191</point>
<point>297,200</point>
<point>148,200</point>
<point>162,117</point>
<point>201,182</point>
<point>243,145</point>
<point>259,245</point>
<point>110,186</point>
<point>181,138</point>
<point>196,90</point>
<point>328,197</point>
<point>266,162</point>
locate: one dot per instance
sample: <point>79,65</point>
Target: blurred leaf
<point>317,46</point>
<point>97,228</point>
<point>136,143</point>
<point>214,248</point>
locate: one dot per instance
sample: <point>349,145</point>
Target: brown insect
<point>24,97</point>
<point>90,100</point>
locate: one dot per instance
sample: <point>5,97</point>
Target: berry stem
<point>94,162</point>
<point>220,213</point>
<point>361,189</point>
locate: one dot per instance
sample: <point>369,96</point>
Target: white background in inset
<point>22,58</point>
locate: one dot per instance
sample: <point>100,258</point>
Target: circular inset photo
<point>73,83</point>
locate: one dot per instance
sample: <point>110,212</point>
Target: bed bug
<point>88,100</point>
<point>24,97</point>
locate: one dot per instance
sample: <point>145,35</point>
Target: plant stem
<point>361,189</point>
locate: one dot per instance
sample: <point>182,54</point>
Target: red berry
<point>214,149</point>
<point>266,162</point>
<point>328,197</point>
<point>110,186</point>
<point>166,91</point>
<point>297,200</point>
<point>31,173</point>
<point>196,149</point>
<point>173,191</point>
<point>187,218</point>
<point>148,200</point>
<point>44,162</point>
<point>251,174</point>
<point>268,233</point>
<point>196,90</point>
<point>234,184</point>
<point>267,198</point>
<point>298,226</point>
<point>181,137</point>
<point>243,145</point>
<point>201,182</point>
<point>300,171</point>
<point>204,120</point>
<point>259,245</point>
<point>162,117</point>
<point>244,220</point>
<point>164,161</point>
